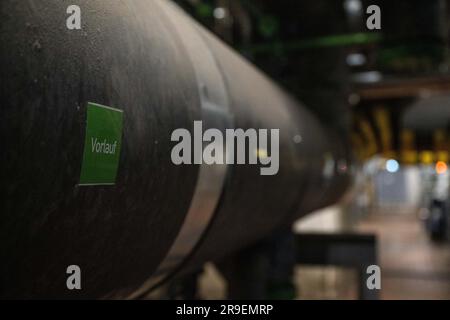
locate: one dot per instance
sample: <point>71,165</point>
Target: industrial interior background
<point>370,164</point>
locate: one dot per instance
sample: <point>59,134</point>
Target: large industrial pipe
<point>127,231</point>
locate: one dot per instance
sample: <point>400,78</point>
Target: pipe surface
<point>164,72</point>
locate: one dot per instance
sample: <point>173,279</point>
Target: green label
<point>102,145</point>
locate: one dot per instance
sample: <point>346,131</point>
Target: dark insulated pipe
<point>163,72</point>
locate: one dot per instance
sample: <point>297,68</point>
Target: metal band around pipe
<point>215,114</point>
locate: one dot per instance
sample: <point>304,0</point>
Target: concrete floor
<point>412,266</point>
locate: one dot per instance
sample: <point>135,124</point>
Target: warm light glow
<point>261,153</point>
<point>426,157</point>
<point>441,167</point>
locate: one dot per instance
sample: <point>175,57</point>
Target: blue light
<point>392,166</point>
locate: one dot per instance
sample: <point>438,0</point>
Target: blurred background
<point>388,91</point>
